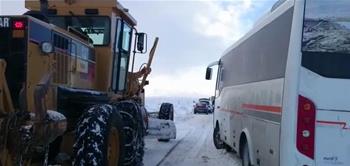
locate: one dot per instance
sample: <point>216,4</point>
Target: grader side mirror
<point>141,42</point>
<point>208,73</point>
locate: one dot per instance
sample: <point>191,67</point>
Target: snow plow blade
<point>161,129</point>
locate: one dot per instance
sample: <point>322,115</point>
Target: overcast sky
<point>322,9</point>
<point>192,34</point>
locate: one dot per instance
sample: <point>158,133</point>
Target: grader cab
<point>67,93</point>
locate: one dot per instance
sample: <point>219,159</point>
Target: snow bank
<point>183,106</point>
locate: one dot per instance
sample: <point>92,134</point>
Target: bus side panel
<point>221,116</point>
<point>252,88</point>
<point>256,108</point>
<point>236,125</point>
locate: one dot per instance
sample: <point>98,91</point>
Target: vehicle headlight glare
<point>46,47</point>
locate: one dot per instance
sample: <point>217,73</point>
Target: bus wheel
<point>245,156</point>
<point>98,138</point>
<point>219,144</point>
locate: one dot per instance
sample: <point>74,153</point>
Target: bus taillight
<point>306,127</point>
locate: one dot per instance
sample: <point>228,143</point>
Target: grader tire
<point>98,137</point>
<point>134,134</point>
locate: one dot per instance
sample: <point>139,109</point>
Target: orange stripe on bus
<point>342,124</point>
<point>264,108</point>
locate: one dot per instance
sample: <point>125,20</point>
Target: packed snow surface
<point>161,129</point>
<point>193,145</point>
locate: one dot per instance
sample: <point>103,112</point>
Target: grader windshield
<point>96,27</point>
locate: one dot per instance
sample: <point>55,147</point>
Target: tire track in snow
<point>194,146</point>
<point>190,147</point>
<point>197,148</point>
<point>193,129</point>
<point>171,150</point>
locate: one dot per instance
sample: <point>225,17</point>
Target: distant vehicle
<point>209,103</point>
<point>282,91</point>
<point>202,106</point>
<point>157,120</point>
<point>166,111</point>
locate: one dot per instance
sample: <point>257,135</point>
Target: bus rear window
<point>326,38</point>
<point>327,26</point>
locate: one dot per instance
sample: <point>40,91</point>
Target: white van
<point>283,90</point>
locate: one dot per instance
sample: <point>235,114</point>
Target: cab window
<point>121,56</point>
<point>97,28</point>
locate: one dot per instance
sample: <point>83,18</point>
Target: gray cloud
<point>186,43</point>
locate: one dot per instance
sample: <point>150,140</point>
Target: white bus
<point>283,90</point>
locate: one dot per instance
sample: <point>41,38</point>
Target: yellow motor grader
<point>68,95</point>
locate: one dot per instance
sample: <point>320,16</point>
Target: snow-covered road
<point>193,146</point>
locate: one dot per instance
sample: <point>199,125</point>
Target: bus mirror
<point>141,42</point>
<point>208,73</point>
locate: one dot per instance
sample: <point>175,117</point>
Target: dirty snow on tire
<point>92,134</point>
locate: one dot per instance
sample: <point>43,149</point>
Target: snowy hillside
<point>182,105</point>
<point>326,36</point>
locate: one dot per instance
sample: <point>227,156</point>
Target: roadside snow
<point>183,106</point>
<point>193,144</point>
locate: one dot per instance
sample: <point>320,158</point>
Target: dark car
<point>202,106</point>
<point>209,103</point>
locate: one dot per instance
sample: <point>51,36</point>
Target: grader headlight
<point>46,47</point>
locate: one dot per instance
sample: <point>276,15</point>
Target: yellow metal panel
<point>18,34</point>
<point>37,66</point>
<point>35,5</point>
<point>103,68</point>
<point>6,103</point>
<point>77,7</point>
